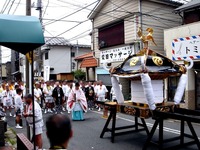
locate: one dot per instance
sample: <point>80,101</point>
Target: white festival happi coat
<point>38,115</point>
<point>79,96</point>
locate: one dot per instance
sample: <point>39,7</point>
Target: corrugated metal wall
<point>159,17</point>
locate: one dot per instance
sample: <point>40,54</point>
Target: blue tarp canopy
<point>21,33</point>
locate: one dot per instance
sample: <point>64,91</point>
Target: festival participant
<point>90,95</point>
<point>58,96</point>
<point>37,93</point>
<point>69,89</point>
<point>14,93</point>
<point>12,89</point>
<point>82,85</point>
<point>77,103</point>
<point>42,86</point>
<point>18,107</point>
<point>59,131</point>
<point>48,90</point>
<point>65,88</point>
<point>101,93</point>
<point>22,86</point>
<point>1,98</point>
<point>7,99</point>
<point>28,114</point>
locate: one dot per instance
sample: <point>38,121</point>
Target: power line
<point>74,21</point>
<point>16,7</point>
<point>77,36</point>
<point>50,22</point>
<point>68,30</point>
<point>46,8</point>
<point>11,6</point>
<point>5,7</point>
<point>107,13</point>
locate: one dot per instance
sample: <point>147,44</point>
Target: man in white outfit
<point>37,93</point>
<point>7,99</point>
<point>28,114</point>
<point>101,92</point>
<point>47,90</point>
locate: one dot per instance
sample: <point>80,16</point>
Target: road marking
<point>166,129</point>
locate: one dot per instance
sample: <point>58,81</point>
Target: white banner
<point>116,54</point>
<point>46,73</point>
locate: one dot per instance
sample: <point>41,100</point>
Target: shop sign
<point>183,48</point>
<point>116,54</point>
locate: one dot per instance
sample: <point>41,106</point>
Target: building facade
<point>115,25</point>
<point>15,72</point>
<point>88,63</point>
<point>182,42</point>
<point>59,55</point>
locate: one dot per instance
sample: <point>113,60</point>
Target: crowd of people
<point>54,97</point>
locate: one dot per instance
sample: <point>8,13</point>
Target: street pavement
<point>86,134</point>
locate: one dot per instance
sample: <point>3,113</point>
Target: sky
<point>64,18</point>
<point>73,13</point>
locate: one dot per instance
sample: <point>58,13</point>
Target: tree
<point>79,74</point>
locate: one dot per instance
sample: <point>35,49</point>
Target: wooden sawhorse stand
<point>113,129</point>
<point>183,115</point>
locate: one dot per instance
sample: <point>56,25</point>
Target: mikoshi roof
<point>21,33</point>
<point>155,64</point>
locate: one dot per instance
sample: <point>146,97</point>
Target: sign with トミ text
<point>183,48</point>
<point>116,54</point>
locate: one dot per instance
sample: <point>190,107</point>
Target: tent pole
<point>32,79</point>
<point>28,13</point>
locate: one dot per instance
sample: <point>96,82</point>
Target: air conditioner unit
<point>102,44</point>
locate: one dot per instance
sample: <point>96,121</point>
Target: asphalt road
<point>87,133</point>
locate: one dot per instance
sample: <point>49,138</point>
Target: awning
<point>21,33</point>
<point>88,62</point>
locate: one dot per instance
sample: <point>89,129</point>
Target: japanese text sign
<point>116,54</point>
<point>186,47</point>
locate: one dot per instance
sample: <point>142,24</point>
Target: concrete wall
<point>159,17</point>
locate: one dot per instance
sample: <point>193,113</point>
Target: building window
<point>46,55</point>
<point>73,65</point>
<point>192,16</point>
<point>72,54</point>
<point>111,35</point>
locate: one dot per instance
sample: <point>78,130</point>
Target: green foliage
<point>79,74</point>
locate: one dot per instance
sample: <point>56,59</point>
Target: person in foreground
<point>28,114</point>
<point>59,131</point>
<point>77,103</point>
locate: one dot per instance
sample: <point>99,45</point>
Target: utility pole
<point>28,13</point>
<point>39,60</point>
